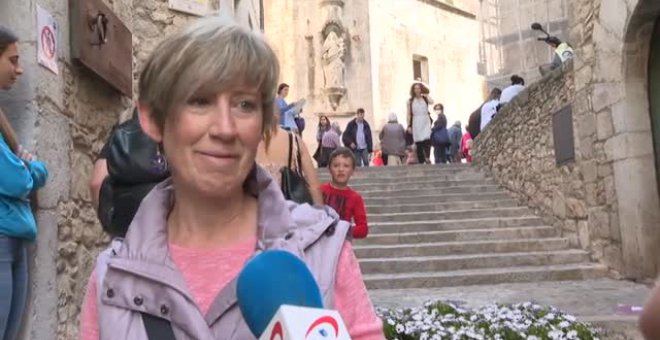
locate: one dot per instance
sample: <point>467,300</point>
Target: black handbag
<point>135,166</point>
<point>294,186</point>
<point>317,153</point>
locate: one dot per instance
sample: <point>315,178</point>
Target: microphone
<point>280,300</point>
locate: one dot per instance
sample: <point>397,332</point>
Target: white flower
<point>570,318</point>
<point>399,328</point>
<point>533,337</point>
<point>390,322</point>
<point>550,316</point>
<point>556,334</point>
<point>572,335</point>
<point>564,324</point>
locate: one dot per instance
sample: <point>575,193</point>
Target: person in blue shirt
<point>287,116</point>
<point>20,175</point>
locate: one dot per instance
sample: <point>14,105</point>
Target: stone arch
<point>622,43</point>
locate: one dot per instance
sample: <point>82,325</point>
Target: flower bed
<point>442,320</point>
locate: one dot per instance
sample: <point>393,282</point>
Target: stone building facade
<point>607,196</point>
<point>65,119</point>
<point>384,45</point>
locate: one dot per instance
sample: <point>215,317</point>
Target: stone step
<point>358,180</point>
<point>409,168</point>
<point>579,271</point>
<point>445,215</point>
<point>405,193</point>
<point>460,235</point>
<point>464,247</point>
<point>395,185</point>
<point>435,198</point>
<point>445,206</point>
<point>451,166</point>
<point>474,261</point>
<point>479,223</point>
<point>407,172</point>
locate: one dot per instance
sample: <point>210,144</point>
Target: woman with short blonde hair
<point>207,97</point>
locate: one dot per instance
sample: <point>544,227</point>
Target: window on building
<point>420,68</point>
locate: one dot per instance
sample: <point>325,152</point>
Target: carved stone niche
<point>333,51</point>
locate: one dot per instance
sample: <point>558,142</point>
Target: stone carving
<point>333,61</point>
<point>333,51</point>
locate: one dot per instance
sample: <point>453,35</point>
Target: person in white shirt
<point>489,109</point>
<point>517,85</point>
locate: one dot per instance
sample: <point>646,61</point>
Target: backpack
<point>135,166</point>
<point>300,123</point>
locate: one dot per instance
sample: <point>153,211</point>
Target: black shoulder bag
<point>294,186</point>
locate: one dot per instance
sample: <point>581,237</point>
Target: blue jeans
<point>361,157</point>
<point>13,285</point>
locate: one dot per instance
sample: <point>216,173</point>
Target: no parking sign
<point>46,40</point>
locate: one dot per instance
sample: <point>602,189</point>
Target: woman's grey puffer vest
<point>137,275</point>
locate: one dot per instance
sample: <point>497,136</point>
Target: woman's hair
<point>7,37</point>
<point>495,94</point>
<point>327,119</point>
<point>8,133</point>
<point>282,87</point>
<point>392,118</point>
<point>438,105</point>
<point>517,80</point>
<point>335,126</point>
<point>211,56</point>
<point>422,87</point>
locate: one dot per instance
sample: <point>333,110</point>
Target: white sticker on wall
<point>46,40</point>
<point>195,7</point>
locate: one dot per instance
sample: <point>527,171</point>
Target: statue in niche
<point>333,60</point>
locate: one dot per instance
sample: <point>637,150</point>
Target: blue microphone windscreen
<point>270,280</point>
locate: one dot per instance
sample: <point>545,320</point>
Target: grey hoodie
<point>138,276</point>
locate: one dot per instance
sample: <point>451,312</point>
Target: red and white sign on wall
<point>46,40</point>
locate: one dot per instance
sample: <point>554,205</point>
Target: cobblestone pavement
<point>587,298</point>
<point>592,300</point>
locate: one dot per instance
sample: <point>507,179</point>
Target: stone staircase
<point>436,226</point>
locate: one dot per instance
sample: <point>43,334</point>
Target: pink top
<point>351,298</point>
<point>466,146</point>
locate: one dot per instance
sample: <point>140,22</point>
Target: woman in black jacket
<point>440,136</point>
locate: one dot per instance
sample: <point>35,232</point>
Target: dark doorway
<point>654,94</point>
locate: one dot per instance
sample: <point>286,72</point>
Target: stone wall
<point>517,148</point>
<point>615,168</point>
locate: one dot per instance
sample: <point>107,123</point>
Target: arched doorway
<point>654,93</point>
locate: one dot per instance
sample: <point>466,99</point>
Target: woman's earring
<point>159,162</point>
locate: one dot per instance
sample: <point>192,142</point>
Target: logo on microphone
<point>325,327</point>
<point>277,333</point>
